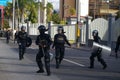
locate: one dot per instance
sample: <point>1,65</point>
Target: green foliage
<point>72,11</point>
<point>8,10</point>
<point>49,8</point>
<point>49,18</point>
<point>6,24</point>
<point>28,10</point>
<point>33,15</point>
<point>56,18</point>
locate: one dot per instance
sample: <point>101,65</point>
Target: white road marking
<point>74,62</point>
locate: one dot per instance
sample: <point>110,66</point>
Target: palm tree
<point>27,10</point>
<point>8,11</point>
<point>8,15</point>
<point>49,12</point>
<point>32,16</point>
<point>24,8</point>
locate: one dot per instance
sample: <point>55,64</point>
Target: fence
<point>100,24</point>
<point>70,32</point>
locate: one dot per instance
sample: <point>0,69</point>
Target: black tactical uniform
<point>16,36</point>
<point>97,53</point>
<point>8,33</point>
<point>43,41</point>
<point>59,41</point>
<point>117,46</point>
<point>22,40</point>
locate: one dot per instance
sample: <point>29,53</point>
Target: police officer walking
<point>43,41</point>
<point>117,46</point>
<point>22,40</point>
<point>8,33</point>
<point>59,41</point>
<point>96,53</point>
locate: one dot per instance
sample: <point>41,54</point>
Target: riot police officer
<point>59,41</point>
<point>22,40</point>
<point>117,46</point>
<point>8,34</point>
<point>96,53</point>
<point>43,41</point>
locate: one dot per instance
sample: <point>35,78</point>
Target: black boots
<point>40,71</point>
<point>105,66</point>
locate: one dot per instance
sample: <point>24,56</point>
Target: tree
<point>49,10</point>
<point>8,11</point>
<point>27,9</point>
<point>72,11</point>
<point>55,18</point>
<point>32,13</point>
<point>6,24</point>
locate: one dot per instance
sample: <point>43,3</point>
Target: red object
<point>2,15</point>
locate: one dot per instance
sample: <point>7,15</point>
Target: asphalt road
<point>75,65</point>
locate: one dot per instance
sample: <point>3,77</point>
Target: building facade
<point>97,8</point>
<point>65,6</point>
<point>101,8</point>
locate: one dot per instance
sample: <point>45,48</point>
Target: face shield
<point>60,31</point>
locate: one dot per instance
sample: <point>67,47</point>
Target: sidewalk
<point>11,68</point>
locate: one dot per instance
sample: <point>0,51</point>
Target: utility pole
<point>13,25</point>
<point>78,21</point>
<point>39,12</point>
<point>18,14</point>
<point>45,11</point>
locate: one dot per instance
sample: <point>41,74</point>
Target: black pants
<point>99,57</point>
<point>7,39</point>
<point>116,49</point>
<point>46,56</point>
<point>59,54</point>
<point>22,49</point>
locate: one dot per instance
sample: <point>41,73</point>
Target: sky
<point>3,2</point>
<point>55,3</point>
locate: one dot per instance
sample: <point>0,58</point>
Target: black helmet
<point>23,27</point>
<point>60,28</point>
<point>95,33</point>
<point>41,28</point>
